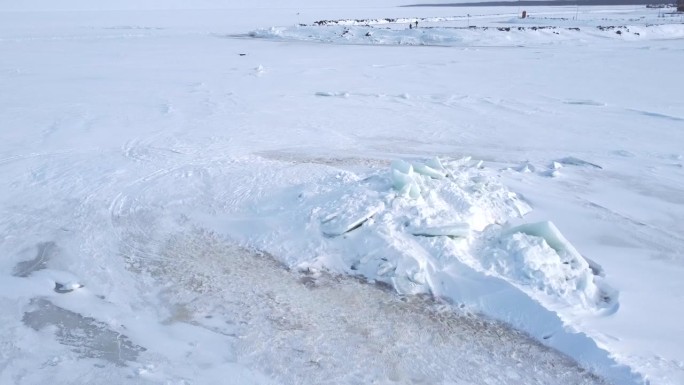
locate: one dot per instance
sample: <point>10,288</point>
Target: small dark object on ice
<point>66,288</point>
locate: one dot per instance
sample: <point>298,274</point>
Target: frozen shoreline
<point>538,3</point>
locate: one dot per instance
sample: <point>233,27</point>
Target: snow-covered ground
<point>237,194</point>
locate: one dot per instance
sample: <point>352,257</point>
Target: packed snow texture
<point>183,203</point>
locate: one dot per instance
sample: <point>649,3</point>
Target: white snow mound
<point>540,261</point>
<point>407,225</point>
<point>439,227</point>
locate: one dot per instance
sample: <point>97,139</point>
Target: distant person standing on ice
<point>416,23</point>
<point>410,25</point>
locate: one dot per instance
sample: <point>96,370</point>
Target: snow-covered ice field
<point>219,193</point>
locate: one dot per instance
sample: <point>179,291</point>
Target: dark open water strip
<point>531,3</point>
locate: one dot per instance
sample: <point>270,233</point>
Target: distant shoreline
<point>529,3</point>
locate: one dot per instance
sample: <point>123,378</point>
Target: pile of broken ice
<point>404,226</point>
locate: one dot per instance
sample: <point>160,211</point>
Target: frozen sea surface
<point>170,194</point>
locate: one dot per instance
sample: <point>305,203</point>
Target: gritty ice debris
<point>287,319</point>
